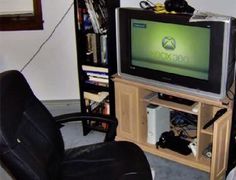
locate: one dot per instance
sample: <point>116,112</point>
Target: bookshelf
<point>96,47</point>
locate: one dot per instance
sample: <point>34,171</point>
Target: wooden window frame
<point>23,21</point>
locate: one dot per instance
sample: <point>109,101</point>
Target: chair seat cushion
<point>104,161</point>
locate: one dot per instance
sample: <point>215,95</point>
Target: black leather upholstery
<point>31,145</point>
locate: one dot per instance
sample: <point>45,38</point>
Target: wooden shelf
<point>202,163</point>
<point>224,103</point>
<point>172,105</point>
<point>132,98</point>
<point>208,131</point>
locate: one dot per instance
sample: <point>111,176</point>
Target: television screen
<point>171,48</point>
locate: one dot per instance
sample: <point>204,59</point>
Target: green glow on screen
<point>172,48</point>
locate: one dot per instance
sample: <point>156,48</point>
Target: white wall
<point>53,73</point>
<point>226,7</point>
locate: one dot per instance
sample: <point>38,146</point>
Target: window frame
<point>23,21</point>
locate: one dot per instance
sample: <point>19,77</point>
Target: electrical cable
<point>231,93</point>
<point>183,123</point>
<point>48,38</point>
<point>169,6</point>
<point>157,8</point>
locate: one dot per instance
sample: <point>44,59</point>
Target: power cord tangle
<point>157,8</point>
<point>169,6</point>
<point>183,123</point>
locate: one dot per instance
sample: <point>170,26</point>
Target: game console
<point>193,146</point>
<point>158,121</point>
<point>175,143</point>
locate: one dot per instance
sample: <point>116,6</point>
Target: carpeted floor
<point>164,169</point>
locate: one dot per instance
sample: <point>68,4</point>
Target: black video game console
<point>175,99</point>
<point>175,143</point>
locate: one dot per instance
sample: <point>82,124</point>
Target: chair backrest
<point>31,145</point>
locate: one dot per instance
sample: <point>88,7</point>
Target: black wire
<point>228,96</point>
<point>150,2</point>
<point>232,94</point>
<point>41,46</point>
<point>147,5</point>
<point>183,123</point>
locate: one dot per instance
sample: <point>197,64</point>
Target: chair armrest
<point>111,121</point>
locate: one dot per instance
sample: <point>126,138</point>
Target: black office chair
<point>31,145</point>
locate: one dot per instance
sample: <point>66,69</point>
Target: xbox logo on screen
<point>168,43</point>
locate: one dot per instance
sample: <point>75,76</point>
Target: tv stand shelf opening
<point>132,99</point>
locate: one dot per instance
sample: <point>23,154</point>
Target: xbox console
<point>158,121</point>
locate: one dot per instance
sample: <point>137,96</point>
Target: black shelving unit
<point>96,47</point>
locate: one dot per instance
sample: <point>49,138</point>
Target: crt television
<point>171,51</point>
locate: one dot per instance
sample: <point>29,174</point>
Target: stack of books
<point>96,102</point>
<point>96,75</point>
<point>92,18</point>
<point>96,48</point>
<point>98,15</point>
<point>96,96</point>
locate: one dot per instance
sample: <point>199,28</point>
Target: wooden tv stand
<point>131,101</point>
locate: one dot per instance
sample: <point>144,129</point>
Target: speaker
<point>158,121</point>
